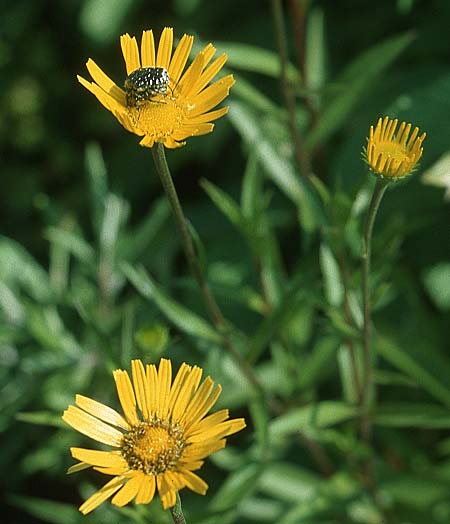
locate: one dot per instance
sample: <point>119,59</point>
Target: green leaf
<point>256,59</point>
<point>321,415</point>
<point>41,418</point>
<point>47,510</point>
<point>272,325</point>
<point>277,167</point>
<point>72,242</point>
<point>408,414</point>
<point>225,203</point>
<point>354,83</point>
<point>136,242</point>
<point>319,363</point>
<point>239,485</point>
<point>18,266</point>
<point>98,183</point>
<point>334,288</point>
<point>288,482</point>
<point>248,93</point>
<point>183,318</point>
<point>427,368</point>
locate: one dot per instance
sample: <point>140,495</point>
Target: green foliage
<point>92,274</point>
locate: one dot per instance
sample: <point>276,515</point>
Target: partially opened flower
<point>158,449</point>
<point>159,102</point>
<point>393,153</point>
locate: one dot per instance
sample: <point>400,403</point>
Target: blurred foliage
<point>91,273</point>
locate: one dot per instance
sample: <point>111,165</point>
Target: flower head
<point>158,449</point>
<point>390,153</point>
<point>159,102</point>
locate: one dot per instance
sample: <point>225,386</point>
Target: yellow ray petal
<point>126,395</point>
<point>208,117</point>
<point>165,48</point>
<point>100,496</point>
<point>140,387</point>
<point>186,392</point>
<point>201,402</point>
<point>195,130</point>
<point>194,482</point>
<point>148,49</point>
<point>98,458</point>
<point>99,410</point>
<point>146,490</point>
<point>205,423</point>
<point>179,58</point>
<point>212,95</point>
<point>129,491</point>
<point>152,382</point>
<point>208,74</point>
<point>190,76</point>
<point>130,53</point>
<point>92,427</point>
<point>178,382</point>
<point>164,383</point>
<point>105,82</point>
<point>106,100</point>
<point>217,432</point>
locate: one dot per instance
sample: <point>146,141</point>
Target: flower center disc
<point>153,447</point>
<point>157,117</point>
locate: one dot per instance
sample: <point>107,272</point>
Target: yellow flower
<point>170,106</point>
<point>393,154</point>
<point>159,449</point>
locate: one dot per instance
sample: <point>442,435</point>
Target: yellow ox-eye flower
<point>390,153</point>
<point>159,102</point>
<point>158,449</point>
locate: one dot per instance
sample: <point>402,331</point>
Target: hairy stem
<point>378,192</point>
<point>195,267</point>
<point>177,512</point>
<point>301,156</point>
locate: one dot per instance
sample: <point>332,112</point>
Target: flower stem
<point>301,156</point>
<point>378,192</point>
<point>214,311</point>
<point>177,512</point>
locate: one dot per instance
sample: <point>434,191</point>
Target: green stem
<point>301,156</point>
<point>186,240</point>
<point>378,192</point>
<point>177,512</point>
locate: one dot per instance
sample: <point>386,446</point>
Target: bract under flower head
<point>171,115</point>
<point>390,153</point>
<point>163,437</point>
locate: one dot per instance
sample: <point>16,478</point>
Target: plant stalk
<point>377,195</point>
<point>177,512</point>
<point>301,156</point>
<point>214,311</point>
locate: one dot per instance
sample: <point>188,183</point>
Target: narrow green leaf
<point>334,288</point>
<point>355,82</point>
<point>277,167</point>
<point>183,318</point>
<point>18,266</point>
<point>133,244</point>
<point>225,203</point>
<point>41,418</point>
<point>319,363</point>
<point>237,486</point>
<point>98,183</point>
<point>47,510</point>
<point>256,59</point>
<point>72,242</point>
<point>321,415</point>
<point>425,368</point>
<point>408,414</point>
